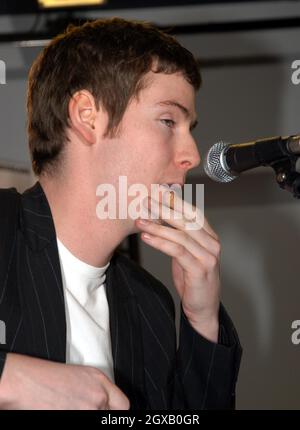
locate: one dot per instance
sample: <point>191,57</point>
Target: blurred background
<point>245,52</point>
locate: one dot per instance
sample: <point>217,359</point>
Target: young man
<point>85,326</point>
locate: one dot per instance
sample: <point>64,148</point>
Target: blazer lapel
<point>127,342</point>
<point>43,265</point>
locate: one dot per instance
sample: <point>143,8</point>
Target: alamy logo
<point>295,78</point>
<point>2,72</point>
<point>124,201</point>
<point>296,333</point>
<point>2,333</point>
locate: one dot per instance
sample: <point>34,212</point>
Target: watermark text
<point>156,202</point>
<point>2,72</point>
<point>2,333</point>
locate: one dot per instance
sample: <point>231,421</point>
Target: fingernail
<point>143,221</point>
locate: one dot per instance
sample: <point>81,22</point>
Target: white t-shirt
<point>87,313</point>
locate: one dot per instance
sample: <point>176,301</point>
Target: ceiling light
<point>69,3</point>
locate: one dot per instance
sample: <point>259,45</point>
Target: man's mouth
<point>173,184</point>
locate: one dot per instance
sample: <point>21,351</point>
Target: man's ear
<point>82,116</point>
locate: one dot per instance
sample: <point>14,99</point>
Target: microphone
<point>224,162</point>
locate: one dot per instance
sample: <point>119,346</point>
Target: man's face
<point>155,145</point>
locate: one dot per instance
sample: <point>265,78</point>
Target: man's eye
<point>169,122</point>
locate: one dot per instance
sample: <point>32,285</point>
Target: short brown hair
<point>109,58</point>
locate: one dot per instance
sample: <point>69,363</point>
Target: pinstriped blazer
<point>148,367</point>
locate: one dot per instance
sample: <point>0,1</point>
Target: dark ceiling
<point>14,7</point>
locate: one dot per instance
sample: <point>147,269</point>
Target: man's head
<point>108,60</point>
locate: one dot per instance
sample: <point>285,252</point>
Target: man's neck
<point>73,210</point>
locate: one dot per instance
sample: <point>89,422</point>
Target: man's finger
<point>117,399</point>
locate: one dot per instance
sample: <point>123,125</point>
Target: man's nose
<point>188,156</point>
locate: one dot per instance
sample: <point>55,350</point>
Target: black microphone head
<point>214,165</point>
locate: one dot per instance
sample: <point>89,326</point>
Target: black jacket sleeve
<point>9,204</point>
<point>206,372</point>
<point>2,362</point>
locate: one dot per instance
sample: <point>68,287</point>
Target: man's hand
<point>195,262</point>
<point>31,383</point>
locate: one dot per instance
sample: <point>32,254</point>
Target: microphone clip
<point>287,173</point>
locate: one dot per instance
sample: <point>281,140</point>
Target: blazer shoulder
<point>144,284</point>
<point>9,198</point>
<point>8,191</point>
<point>9,203</point>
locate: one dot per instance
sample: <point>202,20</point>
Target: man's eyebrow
<point>183,109</point>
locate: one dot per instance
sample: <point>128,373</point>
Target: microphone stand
<point>287,173</point>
